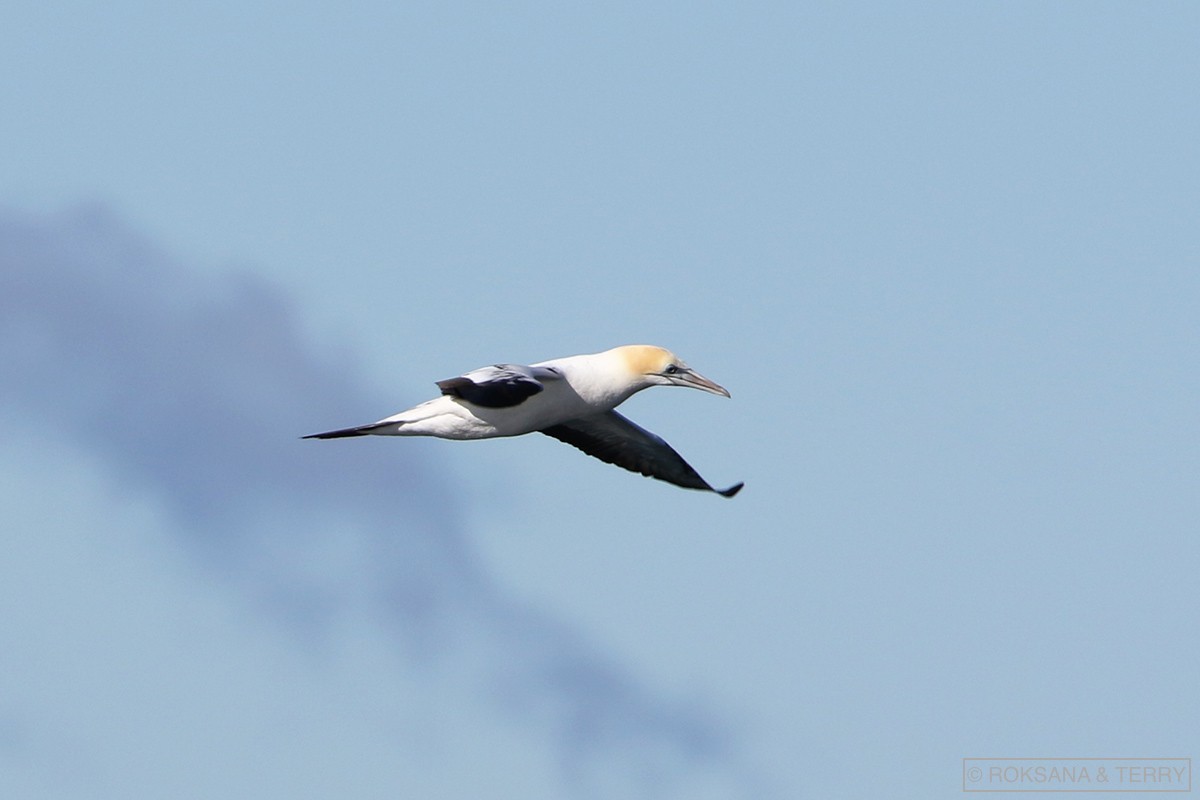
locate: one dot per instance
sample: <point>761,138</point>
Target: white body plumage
<point>571,399</point>
<point>573,387</point>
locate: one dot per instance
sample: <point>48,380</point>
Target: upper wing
<point>498,386</point>
<point>613,438</point>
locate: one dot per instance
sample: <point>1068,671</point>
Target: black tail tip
<point>336,434</point>
<point>731,491</point>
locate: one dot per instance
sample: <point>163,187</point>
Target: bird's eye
<point>671,370</point>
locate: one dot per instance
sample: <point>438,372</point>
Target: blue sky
<point>943,257</point>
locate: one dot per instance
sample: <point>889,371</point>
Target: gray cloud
<point>196,390</point>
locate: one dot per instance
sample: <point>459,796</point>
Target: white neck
<point>602,380</point>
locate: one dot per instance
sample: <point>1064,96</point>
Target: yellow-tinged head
<point>646,359</point>
<point>656,366</point>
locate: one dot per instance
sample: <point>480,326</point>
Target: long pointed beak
<point>697,381</point>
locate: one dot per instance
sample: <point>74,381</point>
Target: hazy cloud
<point>196,390</point>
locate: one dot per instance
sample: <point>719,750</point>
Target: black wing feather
<point>614,439</point>
<point>502,386</point>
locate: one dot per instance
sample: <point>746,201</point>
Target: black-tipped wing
<point>499,386</point>
<point>612,438</point>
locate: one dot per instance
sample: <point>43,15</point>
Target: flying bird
<point>571,399</point>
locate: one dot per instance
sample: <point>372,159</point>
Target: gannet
<point>571,399</point>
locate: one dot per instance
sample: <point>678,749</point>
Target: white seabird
<point>571,399</point>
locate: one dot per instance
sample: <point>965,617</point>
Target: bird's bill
<point>697,381</point>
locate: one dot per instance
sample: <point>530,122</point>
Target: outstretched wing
<point>612,438</point>
<point>498,386</point>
